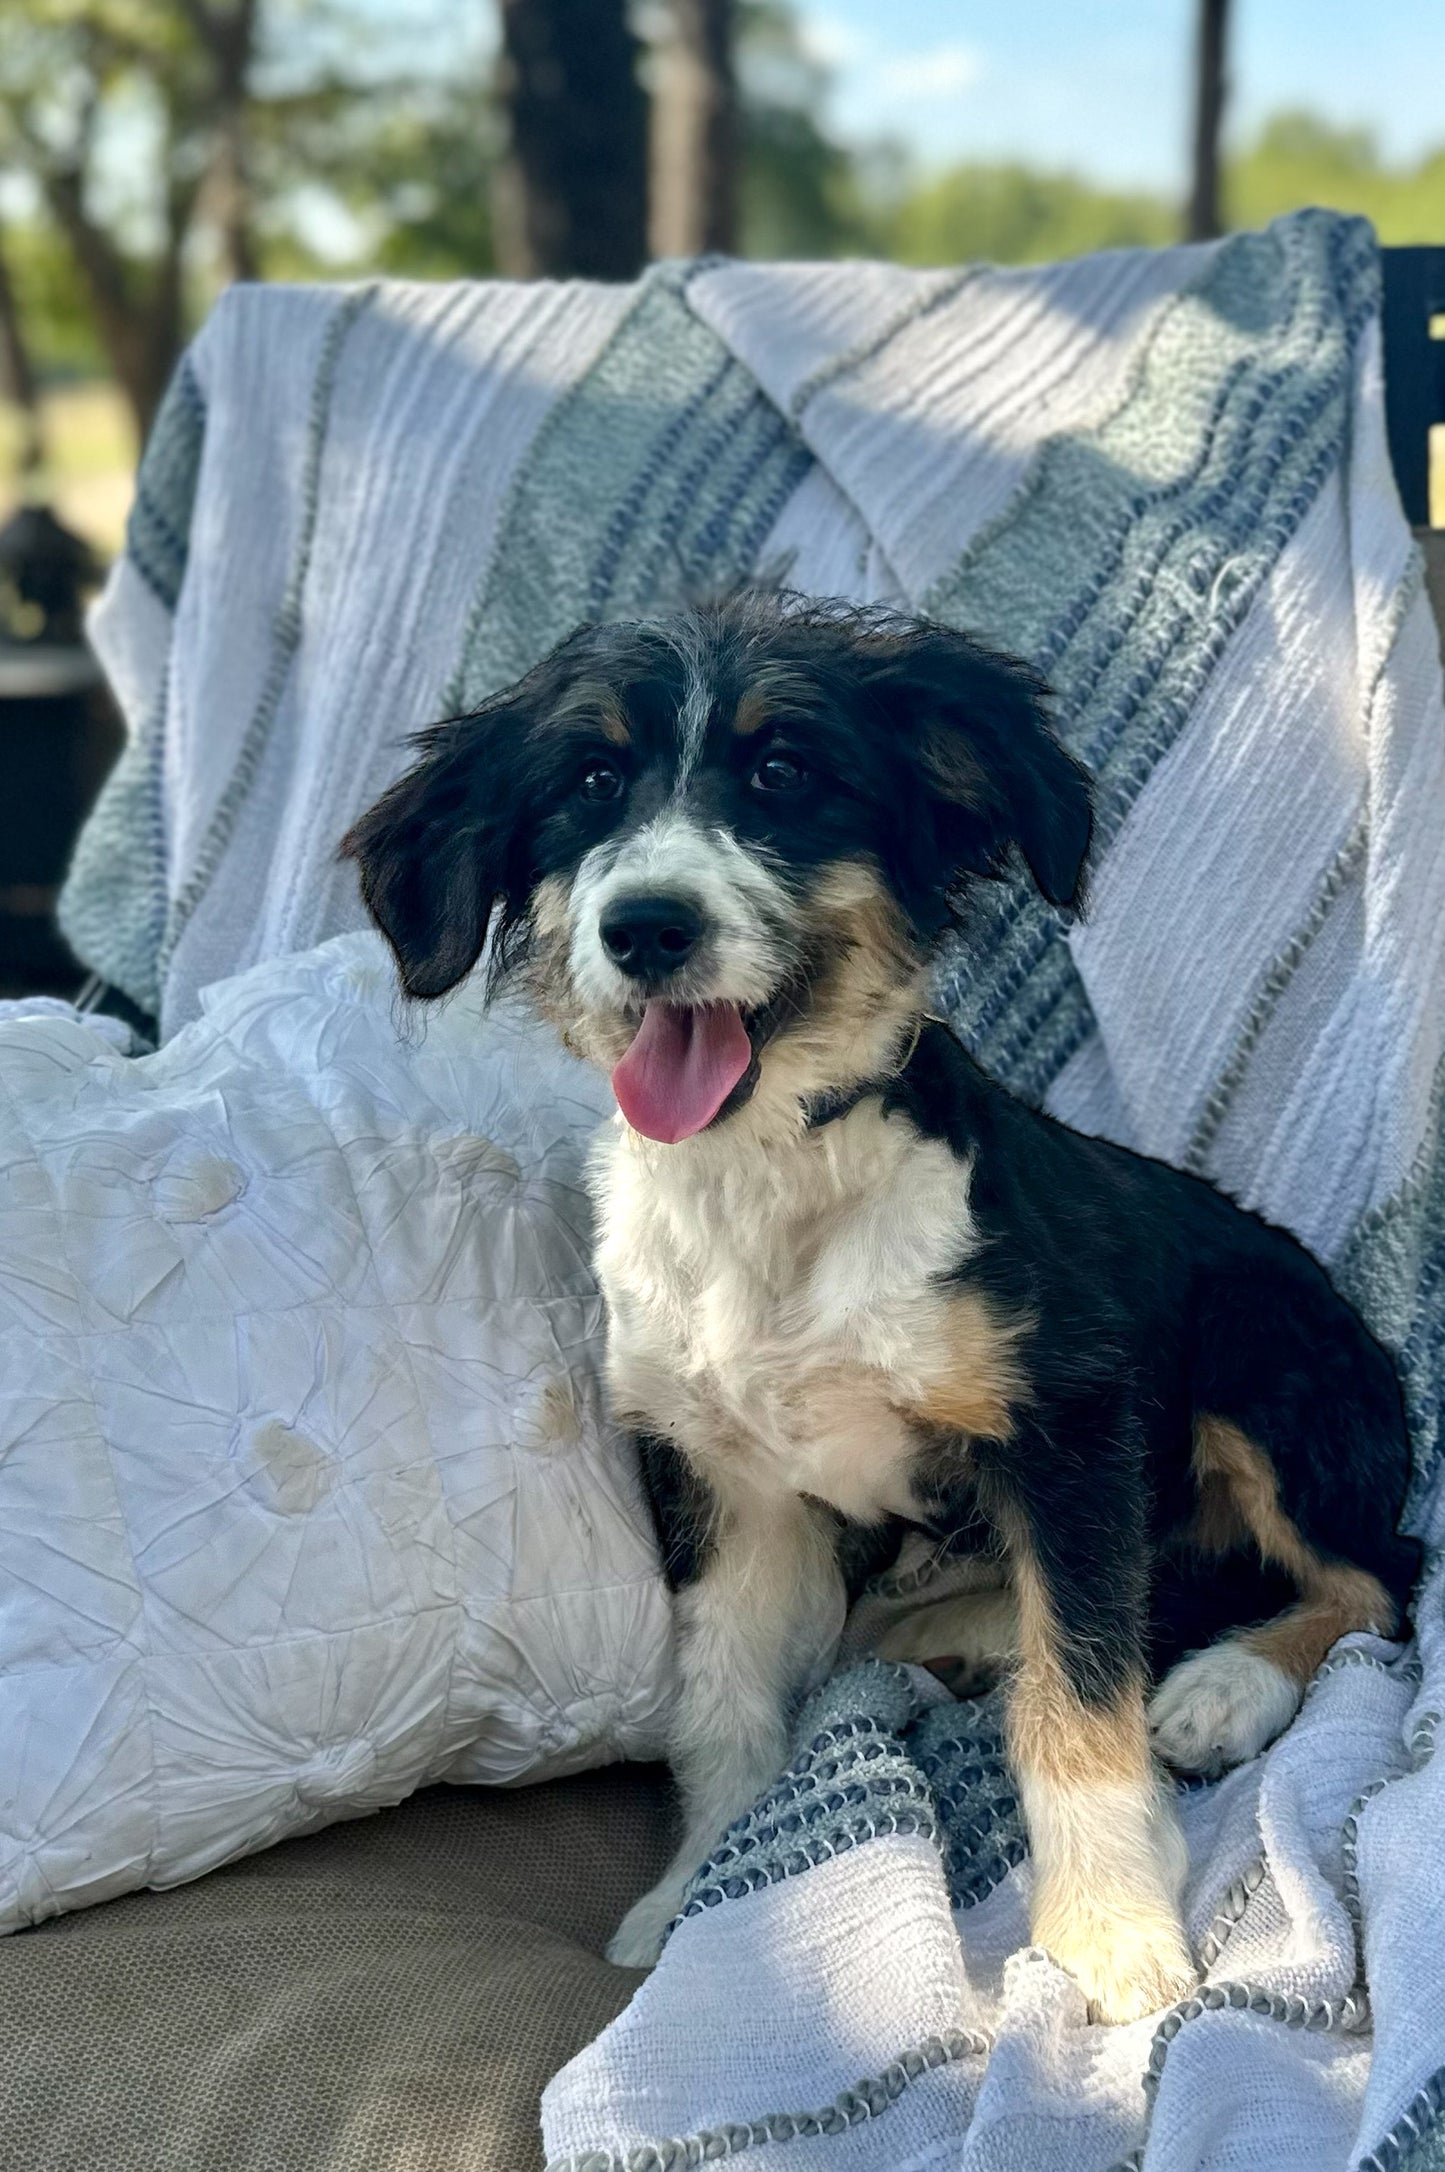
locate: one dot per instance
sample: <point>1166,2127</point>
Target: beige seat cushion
<point>388,1996</point>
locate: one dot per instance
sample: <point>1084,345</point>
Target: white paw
<point>1221,1707</point>
<point>1126,1967</point>
<point>637,1940</point>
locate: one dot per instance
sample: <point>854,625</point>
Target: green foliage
<point>373,136</point>
<point>803,195</point>
<point>386,124</point>
<point>59,329</point>
<point>404,171</point>
<point>1298,159</point>
<point>800,193</point>
<point>1013,214</point>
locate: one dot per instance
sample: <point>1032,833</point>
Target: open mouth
<point>690,1064</point>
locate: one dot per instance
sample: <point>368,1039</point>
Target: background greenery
<point>373,139</point>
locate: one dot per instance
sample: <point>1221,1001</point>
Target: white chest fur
<point>773,1305</point>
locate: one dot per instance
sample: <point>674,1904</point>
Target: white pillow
<point>305,1494</point>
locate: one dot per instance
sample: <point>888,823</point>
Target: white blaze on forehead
<point>692,720</point>
<point>688,645</point>
<point>747,914</point>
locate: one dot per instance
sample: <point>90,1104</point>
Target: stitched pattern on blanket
<point>157,534</point>
<point>866,2099</point>
<point>113,909</point>
<point>285,634</point>
<point>1416,2142</point>
<point>657,476</point>
<point>1342,870</point>
<point>1136,552</point>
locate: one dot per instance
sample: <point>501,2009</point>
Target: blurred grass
<point>89,460</point>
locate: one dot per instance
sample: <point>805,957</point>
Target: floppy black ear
<point>431,856</point>
<point>995,773</point>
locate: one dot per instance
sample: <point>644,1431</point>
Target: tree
<point>173,73</point>
<point>17,372</point>
<point>1204,218</point>
<point>571,195</point>
<point>227,37</point>
<point>696,132</point>
<point>800,192</point>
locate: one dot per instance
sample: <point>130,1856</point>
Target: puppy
<point>853,1286</point>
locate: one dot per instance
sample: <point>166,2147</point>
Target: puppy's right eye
<point>599,780</point>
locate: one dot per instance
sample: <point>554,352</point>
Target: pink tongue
<point>681,1068</point>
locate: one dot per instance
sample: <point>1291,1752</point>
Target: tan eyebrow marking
<point>775,687</point>
<point>601,705</point>
<point>752,712</point>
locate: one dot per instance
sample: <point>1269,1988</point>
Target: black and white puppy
<point>852,1285</point>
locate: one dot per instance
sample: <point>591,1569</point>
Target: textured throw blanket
<point>1163,478</point>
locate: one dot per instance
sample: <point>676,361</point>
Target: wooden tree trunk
<point>695,133</point>
<point>228,200</point>
<point>1204,217</point>
<point>142,332</point>
<point>228,37</point>
<point>572,193</point>
<point>17,377</point>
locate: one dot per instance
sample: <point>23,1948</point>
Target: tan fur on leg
<point>1223,1705</point>
<point>1108,1858</point>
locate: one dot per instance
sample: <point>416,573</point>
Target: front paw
<point>1126,1968</point>
<point>637,1940</point>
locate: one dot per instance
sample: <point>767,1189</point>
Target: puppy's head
<point>719,849</point>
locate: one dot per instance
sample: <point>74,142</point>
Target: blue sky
<point>1102,86</point>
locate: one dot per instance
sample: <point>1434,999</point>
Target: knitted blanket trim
<point>1347,2016</point>
<point>1395,2151</point>
<point>112,909</point>
<point>939,1773</point>
<point>1418,1752</point>
<point>1231,1909</point>
<point>864,2100</point>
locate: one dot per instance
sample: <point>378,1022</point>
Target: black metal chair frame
<point>1414,295</point>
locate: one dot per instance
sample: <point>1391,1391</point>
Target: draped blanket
<point>1162,477</point>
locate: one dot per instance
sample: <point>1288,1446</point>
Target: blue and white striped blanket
<point>1163,478</point>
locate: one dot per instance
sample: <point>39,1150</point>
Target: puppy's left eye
<point>779,773</point>
<point>599,780</point>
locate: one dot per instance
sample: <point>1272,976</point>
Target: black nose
<point>650,937</point>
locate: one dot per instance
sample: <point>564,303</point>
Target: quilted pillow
<point>306,1496</point>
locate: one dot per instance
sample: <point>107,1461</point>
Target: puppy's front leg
<point>1108,1857</point>
<point>759,1609</point>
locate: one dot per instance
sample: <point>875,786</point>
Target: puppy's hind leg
<point>1225,1704</point>
<point>756,1623</point>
